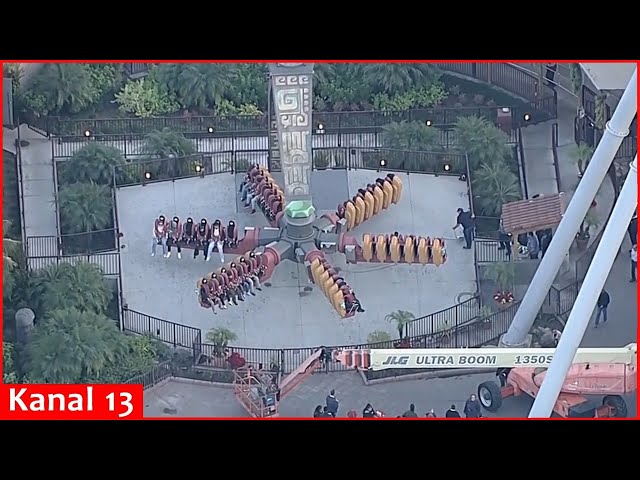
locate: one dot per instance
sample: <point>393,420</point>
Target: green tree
<point>93,163</point>
<point>400,319</point>
<point>494,184</point>
<point>220,338</point>
<point>69,345</point>
<point>142,353</point>
<point>482,141</point>
<point>146,98</point>
<point>166,143</point>
<point>414,136</point>
<point>249,85</point>
<point>197,85</point>
<point>9,374</point>
<point>81,286</point>
<point>10,252</point>
<point>581,154</point>
<point>64,88</point>
<point>85,207</point>
<point>393,78</point>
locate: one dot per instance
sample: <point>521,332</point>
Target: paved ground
<point>307,320</point>
<point>38,187</point>
<point>196,400</point>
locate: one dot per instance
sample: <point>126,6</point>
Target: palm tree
<point>220,338</point>
<point>581,154</point>
<point>482,141</point>
<point>414,136</point>
<point>167,143</point>
<point>81,286</point>
<point>93,163</point>
<point>393,78</point>
<point>199,85</point>
<point>85,207</point>
<point>64,86</point>
<point>323,73</point>
<point>400,318</point>
<point>70,345</point>
<point>248,86</point>
<point>10,251</point>
<point>494,185</point>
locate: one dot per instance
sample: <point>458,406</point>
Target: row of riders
<point>231,284</point>
<point>259,190</point>
<point>197,236</point>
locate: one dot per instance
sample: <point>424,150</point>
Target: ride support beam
<point>616,130</point>
<point>594,281</point>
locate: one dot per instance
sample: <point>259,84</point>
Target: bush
<point>415,136</point>
<point>93,163</point>
<point>85,207</point>
<point>145,98</point>
<point>482,141</point>
<point>425,97</point>
<point>494,184</point>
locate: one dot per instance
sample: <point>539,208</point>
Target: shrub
<point>145,98</point>
<point>494,184</point>
<point>426,97</point>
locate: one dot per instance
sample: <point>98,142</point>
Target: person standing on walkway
<point>411,413</point>
<point>430,414</point>
<point>472,408</point>
<point>633,230</point>
<point>452,412</point>
<point>533,245</point>
<point>505,240</point>
<point>634,262</point>
<point>603,303</point>
<point>465,220</point>
<point>369,411</point>
<point>332,403</point>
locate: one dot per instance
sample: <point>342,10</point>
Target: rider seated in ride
<point>231,239</point>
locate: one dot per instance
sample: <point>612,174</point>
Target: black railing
<point>171,333</point>
<point>355,123</point>
<point>555,143</point>
<point>541,98</point>
<point>522,165</point>
<point>157,374</point>
<point>163,169</point>
<point>109,263</point>
<point>488,251</point>
<point>135,69</point>
<point>446,319</point>
<point>87,243</point>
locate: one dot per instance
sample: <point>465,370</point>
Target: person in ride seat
<point>202,238</point>
<point>235,292</point>
<point>216,239</point>
<point>252,275</point>
<point>232,235</point>
<point>204,294</point>
<point>219,297</point>
<point>341,210</point>
<point>174,233</point>
<point>159,235</point>
<point>188,232</point>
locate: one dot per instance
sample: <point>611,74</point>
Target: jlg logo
<point>393,360</point>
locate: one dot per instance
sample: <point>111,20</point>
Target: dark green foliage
<point>91,164</point>
<point>85,207</point>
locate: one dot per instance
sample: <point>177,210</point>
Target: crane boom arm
<point>477,357</point>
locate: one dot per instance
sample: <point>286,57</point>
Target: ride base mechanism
<point>477,357</point>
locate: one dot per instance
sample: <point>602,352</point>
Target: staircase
<point>300,374</point>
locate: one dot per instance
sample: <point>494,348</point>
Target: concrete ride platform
<point>284,315</point>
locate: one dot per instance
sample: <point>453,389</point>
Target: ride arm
<point>477,357</point>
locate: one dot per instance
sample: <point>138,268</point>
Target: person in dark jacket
<point>326,413</point>
<point>633,230</point>
<point>452,412</point>
<point>472,408</point>
<point>317,413</point>
<point>368,412</point>
<point>465,220</point>
<point>603,302</point>
<point>332,403</point>
<point>411,413</point>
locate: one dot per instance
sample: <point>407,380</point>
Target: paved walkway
<point>38,187</point>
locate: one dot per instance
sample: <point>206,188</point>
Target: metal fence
<point>541,98</point>
<point>88,243</point>
<point>355,122</point>
<point>109,263</point>
<point>157,374</point>
<point>171,333</point>
<point>133,145</point>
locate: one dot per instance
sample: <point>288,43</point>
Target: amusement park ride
<point>295,232</point>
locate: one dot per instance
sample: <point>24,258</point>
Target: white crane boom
<point>478,357</point>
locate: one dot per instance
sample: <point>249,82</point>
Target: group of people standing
<point>231,285</point>
<point>198,236</point>
<point>472,409</point>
